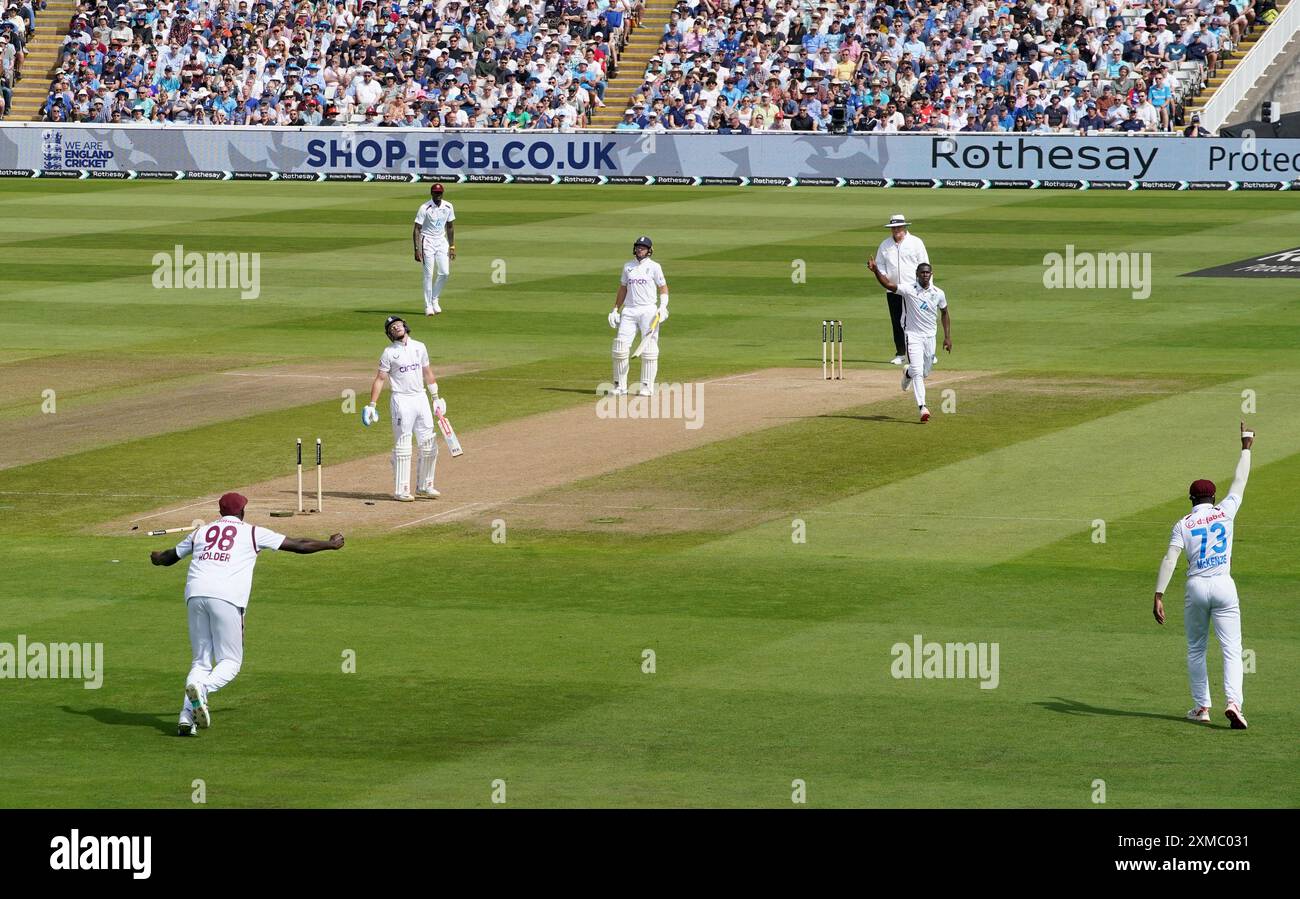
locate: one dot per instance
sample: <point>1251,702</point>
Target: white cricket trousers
<point>920,350</point>
<point>216,642</point>
<point>437,268</point>
<point>1213,599</point>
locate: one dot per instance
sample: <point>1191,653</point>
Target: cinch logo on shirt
<point>413,367</point>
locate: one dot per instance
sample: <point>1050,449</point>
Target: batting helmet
<point>643,241</point>
<point>388,324</point>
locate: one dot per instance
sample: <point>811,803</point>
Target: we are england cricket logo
<point>61,152</point>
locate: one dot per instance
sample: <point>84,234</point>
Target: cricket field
<point>710,609</point>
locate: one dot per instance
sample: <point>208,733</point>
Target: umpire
<point>897,257</point>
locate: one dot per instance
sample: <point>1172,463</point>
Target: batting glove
<point>439,407</point>
<point>369,415</point>
<point>663,313</point>
<point>614,317</point>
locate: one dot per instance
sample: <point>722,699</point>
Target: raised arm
<point>1243,464</point>
<point>880,276</point>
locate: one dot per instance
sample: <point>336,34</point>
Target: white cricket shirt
<point>643,280</point>
<point>921,307</point>
<point>1205,537</point>
<point>898,259</point>
<point>433,220</point>
<point>404,364</point>
<point>225,552</point>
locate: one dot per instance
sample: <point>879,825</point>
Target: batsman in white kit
<point>640,305</point>
<point>216,596</point>
<point>434,237</point>
<point>923,305</point>
<point>1204,536</point>
<point>405,365</point>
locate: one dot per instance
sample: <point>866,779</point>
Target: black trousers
<point>896,322</point>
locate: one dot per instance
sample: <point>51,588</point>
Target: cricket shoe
<point>898,360</point>
<point>934,360</point>
<point>432,308</point>
<point>907,379</point>
<point>1201,713</point>
<point>187,729</point>
<point>618,391</point>
<point>198,705</point>
<point>1235,718</point>
<point>431,493</point>
<point>925,414</point>
<point>645,391</point>
<point>403,497</point>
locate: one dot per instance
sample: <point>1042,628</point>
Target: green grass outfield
<point>522,661</point>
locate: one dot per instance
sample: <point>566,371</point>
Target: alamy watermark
<point>956,661</point>
<point>1103,271</point>
<point>209,271</point>
<point>53,661</point>
<point>673,401</point>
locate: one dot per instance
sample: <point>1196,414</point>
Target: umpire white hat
<point>898,220</point>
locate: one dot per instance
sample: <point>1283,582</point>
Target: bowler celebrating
<point>216,595</point>
<point>921,302</point>
<point>1204,535</point>
<point>434,236</point>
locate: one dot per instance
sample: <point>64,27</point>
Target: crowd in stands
<point>726,65</point>
<point>977,65</point>
<point>400,63</point>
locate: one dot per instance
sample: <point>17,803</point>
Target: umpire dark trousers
<point>896,322</point>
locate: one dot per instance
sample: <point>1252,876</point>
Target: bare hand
<point>451,253</point>
<point>947,344</point>
<point>336,541</point>
<point>1246,441</point>
<point>419,257</point>
<point>156,556</point>
<point>1159,610</point>
<point>871,264</point>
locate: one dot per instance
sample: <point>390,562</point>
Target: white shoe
<point>187,729</point>
<point>645,391</point>
<point>907,379</point>
<point>432,493</point>
<point>934,360</point>
<point>198,705</point>
<point>925,414</point>
<point>1235,718</point>
<point>898,360</point>
<point>1201,713</point>
<point>436,307</point>
<point>618,391</point>
<point>428,310</point>
<point>403,497</point>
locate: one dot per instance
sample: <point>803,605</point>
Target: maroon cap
<point>232,503</point>
<point>437,188</point>
<point>1202,488</point>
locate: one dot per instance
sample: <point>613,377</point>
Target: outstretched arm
<point>306,546</point>
<point>164,556</point>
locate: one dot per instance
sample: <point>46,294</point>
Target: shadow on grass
<point>583,390</point>
<point>885,418</point>
<point>160,721</point>
<point>1074,707</point>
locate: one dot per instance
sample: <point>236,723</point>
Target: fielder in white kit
<point>216,595</point>
<point>405,365</point>
<point>1204,536</point>
<point>434,237</point>
<point>923,304</point>
<point>640,305</point>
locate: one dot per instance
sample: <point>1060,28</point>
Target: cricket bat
<point>654,326</point>
<point>453,442</point>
